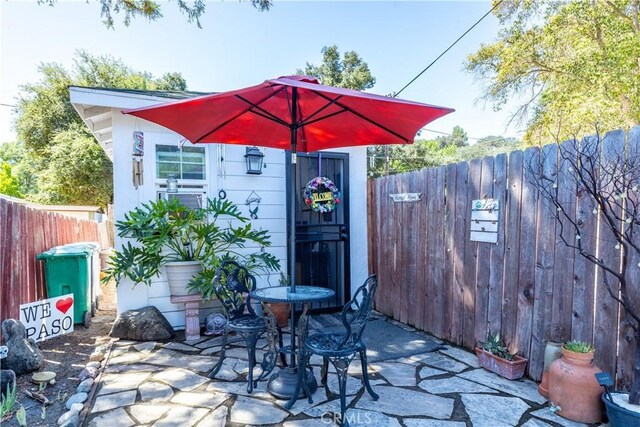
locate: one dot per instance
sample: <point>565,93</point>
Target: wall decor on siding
<point>138,154</point>
<point>484,220</point>
<point>253,200</point>
<point>406,197</point>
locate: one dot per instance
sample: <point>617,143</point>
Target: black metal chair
<point>341,348</point>
<point>233,285</point>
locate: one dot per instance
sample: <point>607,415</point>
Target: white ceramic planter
<point>179,274</point>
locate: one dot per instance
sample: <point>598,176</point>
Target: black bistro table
<point>283,383</point>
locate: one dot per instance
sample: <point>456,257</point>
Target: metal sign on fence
<point>484,221</point>
<point>406,197</point>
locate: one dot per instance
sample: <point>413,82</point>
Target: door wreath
<point>321,194</point>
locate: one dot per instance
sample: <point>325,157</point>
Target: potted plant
<point>187,242</point>
<point>494,356</point>
<point>573,388</point>
<point>606,175</point>
<point>281,310</point>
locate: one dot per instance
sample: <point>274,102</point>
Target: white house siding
<point>270,186</point>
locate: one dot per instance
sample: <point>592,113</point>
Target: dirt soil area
<point>65,355</point>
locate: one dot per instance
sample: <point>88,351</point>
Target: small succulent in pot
<point>495,346</point>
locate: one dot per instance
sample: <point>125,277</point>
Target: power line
<point>6,105</point>
<point>447,49</point>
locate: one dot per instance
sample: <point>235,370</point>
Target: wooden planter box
<point>511,370</point>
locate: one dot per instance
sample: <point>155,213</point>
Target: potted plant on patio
<point>494,356</point>
<point>187,242</point>
<point>605,173</point>
<point>573,388</point>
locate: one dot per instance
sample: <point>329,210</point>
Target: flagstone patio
<point>165,384</point>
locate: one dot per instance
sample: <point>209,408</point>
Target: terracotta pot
<point>281,312</point>
<point>552,352</point>
<point>510,369</point>
<point>574,388</point>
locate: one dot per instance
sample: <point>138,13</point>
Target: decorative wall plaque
<point>484,220</point>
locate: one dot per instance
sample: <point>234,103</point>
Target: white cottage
<point>332,248</point>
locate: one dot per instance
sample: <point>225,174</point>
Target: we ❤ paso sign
<point>48,318</point>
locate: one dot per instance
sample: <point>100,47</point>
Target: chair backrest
<point>233,285</point>
<point>356,312</point>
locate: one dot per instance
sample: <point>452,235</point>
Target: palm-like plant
<point>166,230</point>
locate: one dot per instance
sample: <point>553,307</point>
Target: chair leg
<point>342,367</point>
<point>365,374</point>
<point>216,368</point>
<point>251,339</point>
<point>323,371</point>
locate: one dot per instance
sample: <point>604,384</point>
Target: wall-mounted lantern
<point>254,158</point>
<point>172,184</point>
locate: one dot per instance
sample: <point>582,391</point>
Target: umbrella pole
<point>292,215</point>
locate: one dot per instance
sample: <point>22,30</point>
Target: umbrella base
<point>283,383</point>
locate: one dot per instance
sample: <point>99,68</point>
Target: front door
<point>322,239</point>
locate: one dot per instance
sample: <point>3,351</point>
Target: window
<point>185,163</point>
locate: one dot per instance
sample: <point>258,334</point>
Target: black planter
<point>618,416</point>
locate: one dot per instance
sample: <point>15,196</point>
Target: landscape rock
<point>76,398</point>
<point>71,422</point>
<point>144,324</point>
<point>96,356</point>
<point>93,365</point>
<point>88,373</point>
<point>24,355</point>
<point>66,417</point>
<point>85,386</point>
<point>76,408</point>
<point>7,378</point>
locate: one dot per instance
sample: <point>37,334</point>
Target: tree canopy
<point>69,165</point>
<point>571,64</point>
<point>348,71</point>
<point>151,10</point>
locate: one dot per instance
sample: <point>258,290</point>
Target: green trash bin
<point>67,271</point>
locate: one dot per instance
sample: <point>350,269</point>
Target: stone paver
<point>145,347</point>
<point>402,402</point>
<point>117,417</point>
<point>181,416</point>
<point>179,346</point>
<point>535,422</point>
<point>463,356</point>
<point>181,379</point>
<point>113,383</point>
<point>428,371</point>
<point>453,385</point>
<point>207,400</point>
<point>246,410</point>
<point>217,418</point>
<point>353,384</point>
<point>311,422</point>
<point>416,422</point>
<point>155,392</point>
<point>166,357</point>
<point>361,418</point>
<point>112,401</point>
<point>146,413</point>
<point>134,367</point>
<point>239,388</point>
<point>126,358</point>
<point>398,374</point>
<point>493,411</point>
<point>441,361</point>
<point>546,414</point>
<point>325,410</point>
<point>302,404</point>
<point>525,389</point>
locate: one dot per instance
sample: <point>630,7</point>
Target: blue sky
<point>239,46</point>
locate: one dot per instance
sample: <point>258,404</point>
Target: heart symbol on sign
<point>63,305</point>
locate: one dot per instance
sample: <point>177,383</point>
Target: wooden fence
<point>433,277</point>
<point>24,233</point>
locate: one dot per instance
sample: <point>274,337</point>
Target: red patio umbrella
<point>294,113</point>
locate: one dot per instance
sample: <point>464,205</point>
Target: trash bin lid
<point>64,251</point>
<point>92,246</point>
